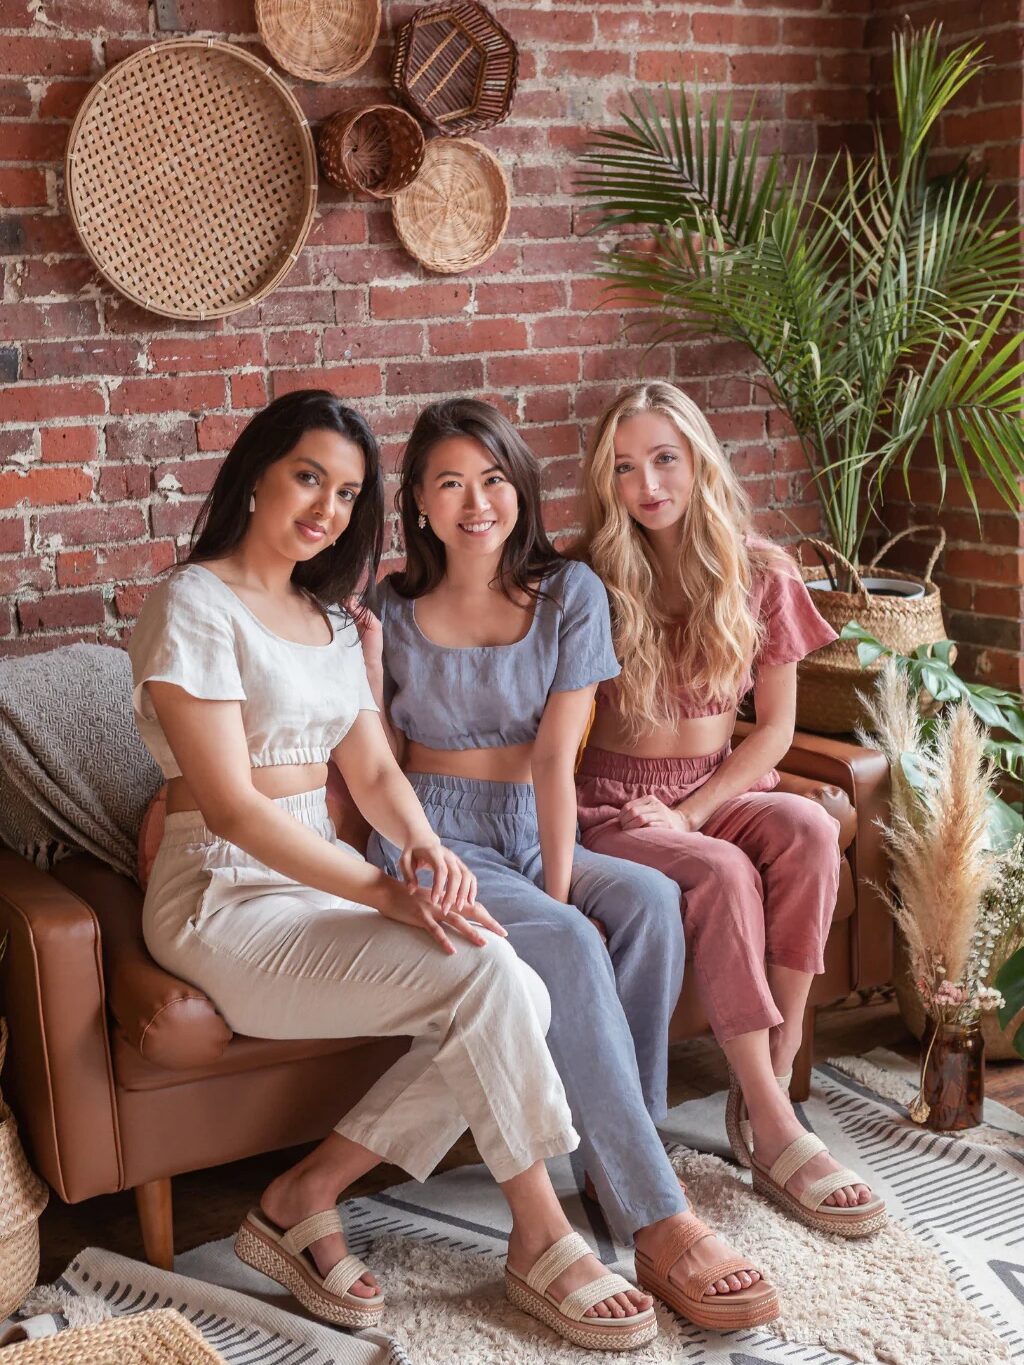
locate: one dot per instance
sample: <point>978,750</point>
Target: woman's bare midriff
<point>281,779</point>
<point>508,764</point>
<point>696,738</point>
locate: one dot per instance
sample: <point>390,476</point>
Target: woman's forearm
<point>748,762</point>
<point>386,799</point>
<point>555,793</point>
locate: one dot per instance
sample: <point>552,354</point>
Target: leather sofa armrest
<point>171,1023</point>
<point>58,1076</point>
<point>833,798</point>
<point>863,774</point>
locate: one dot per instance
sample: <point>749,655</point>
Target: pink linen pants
<point>759,880</point>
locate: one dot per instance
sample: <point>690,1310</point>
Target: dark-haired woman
<point>248,679</point>
<point>493,647</point>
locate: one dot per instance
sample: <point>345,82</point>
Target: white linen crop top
<point>298,701</point>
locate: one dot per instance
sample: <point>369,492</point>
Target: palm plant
<point>875,299</point>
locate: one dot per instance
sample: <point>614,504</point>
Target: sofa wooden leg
<point>800,1087</point>
<point>156,1217</point>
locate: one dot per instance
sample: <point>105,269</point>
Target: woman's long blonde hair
<point>710,645</point>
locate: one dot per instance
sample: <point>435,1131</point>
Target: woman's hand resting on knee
<point>449,904</point>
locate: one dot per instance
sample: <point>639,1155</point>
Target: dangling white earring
<point>421,522</point>
<point>252,502</point>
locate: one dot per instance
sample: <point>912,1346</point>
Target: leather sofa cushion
<point>134,1072</point>
<point>834,799</point>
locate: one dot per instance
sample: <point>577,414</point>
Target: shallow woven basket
<point>456,67</point>
<point>454,214</point>
<point>160,1336</point>
<point>23,1197</point>
<point>319,40</point>
<point>829,680</point>
<point>191,178</point>
<point>376,149</point>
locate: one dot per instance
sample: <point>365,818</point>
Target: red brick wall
<point>113,420</point>
<point>981,573</point>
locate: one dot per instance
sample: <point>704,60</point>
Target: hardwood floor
<point>210,1204</point>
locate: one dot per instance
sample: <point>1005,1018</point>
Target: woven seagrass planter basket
<point>375,149</point>
<point>159,1336</point>
<point>23,1197</point>
<point>829,680</point>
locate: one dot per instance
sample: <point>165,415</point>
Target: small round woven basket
<point>375,149</point>
<point>454,214</point>
<point>456,67</point>
<point>319,40</point>
<point>191,178</point>
<point>23,1197</point>
<point>830,680</point>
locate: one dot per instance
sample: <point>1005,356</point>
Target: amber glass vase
<point>953,1075</point>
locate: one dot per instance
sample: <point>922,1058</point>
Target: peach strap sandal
<point>283,1256</point>
<point>720,1312</point>
<point>738,1127</point>
<point>809,1206</point>
<point>567,1318</point>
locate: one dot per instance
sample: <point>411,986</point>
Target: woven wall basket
<point>160,1336</point>
<point>456,67</point>
<point>829,680</point>
<point>376,149</point>
<point>319,40</point>
<point>191,178</point>
<point>23,1197</point>
<point>454,214</point>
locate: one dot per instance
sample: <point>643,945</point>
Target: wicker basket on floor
<point>23,1197</point>
<point>454,214</point>
<point>456,67</point>
<point>158,1337</point>
<point>319,40</point>
<point>375,149</point>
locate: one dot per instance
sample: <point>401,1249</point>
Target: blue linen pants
<point>610,1007</point>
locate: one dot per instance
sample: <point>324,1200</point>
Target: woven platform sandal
<point>749,1307</point>
<point>738,1128</point>
<point>567,1318</point>
<point>284,1257</point>
<point>809,1207</point>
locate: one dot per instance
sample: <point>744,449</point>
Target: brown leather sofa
<point>123,1076</point>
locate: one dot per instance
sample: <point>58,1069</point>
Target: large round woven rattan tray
<point>319,40</point>
<point>455,212</point>
<point>191,178</point>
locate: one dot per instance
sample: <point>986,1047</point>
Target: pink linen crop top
<point>793,628</point>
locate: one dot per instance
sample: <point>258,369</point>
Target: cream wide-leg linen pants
<point>280,960</point>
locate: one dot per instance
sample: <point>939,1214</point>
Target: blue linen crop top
<point>491,696</point>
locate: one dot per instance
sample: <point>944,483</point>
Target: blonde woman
<point>703,610</point>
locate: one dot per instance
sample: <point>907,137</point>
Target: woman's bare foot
<point>525,1247</point>
<point>702,1255</point>
<point>299,1193</point>
<point>774,1129</point>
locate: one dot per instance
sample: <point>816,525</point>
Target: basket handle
<point>912,530</point>
<point>831,550</point>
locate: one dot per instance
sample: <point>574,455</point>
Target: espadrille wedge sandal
<point>749,1307</point>
<point>567,1318</point>
<point>284,1257</point>
<point>738,1127</point>
<point>809,1206</point>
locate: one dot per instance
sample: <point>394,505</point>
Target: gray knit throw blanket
<point>74,774</point>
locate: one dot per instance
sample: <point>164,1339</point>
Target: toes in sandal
<point>284,1257</point>
<point>750,1307</point>
<point>809,1207</point>
<point>738,1127</point>
<point>567,1318</point>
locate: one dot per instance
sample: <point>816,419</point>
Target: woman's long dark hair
<point>528,554</point>
<point>344,568</point>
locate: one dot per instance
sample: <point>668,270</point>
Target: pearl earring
<point>421,522</point>
<point>252,502</point>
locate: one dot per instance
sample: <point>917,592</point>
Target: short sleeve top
<point>298,701</point>
<point>491,696</point>
<point>792,628</point>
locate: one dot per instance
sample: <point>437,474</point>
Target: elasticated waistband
<point>189,827</point>
<point>474,794</point>
<point>655,772</point>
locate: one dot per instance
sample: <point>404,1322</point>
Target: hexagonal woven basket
<point>191,178</point>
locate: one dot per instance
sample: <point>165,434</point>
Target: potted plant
<point>874,298</point>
